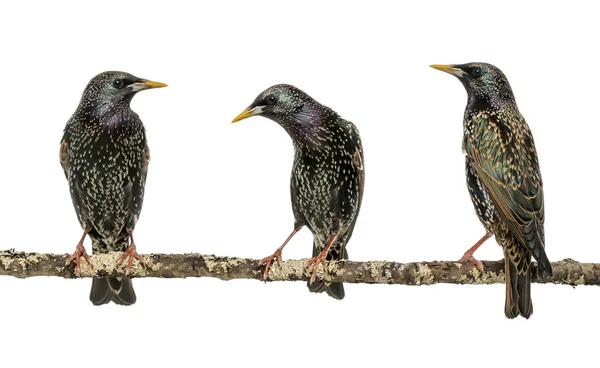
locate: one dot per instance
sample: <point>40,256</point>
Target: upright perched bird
<point>327,176</point>
<point>105,156</point>
<point>503,177</point>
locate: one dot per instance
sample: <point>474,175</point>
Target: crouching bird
<point>327,175</point>
<point>105,156</point>
<point>503,178</point>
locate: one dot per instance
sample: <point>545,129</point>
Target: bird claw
<point>130,253</point>
<point>79,252</point>
<point>267,261</point>
<point>469,258</point>
<point>315,261</point>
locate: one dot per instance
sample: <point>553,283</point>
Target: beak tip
<point>250,111</point>
<point>448,68</point>
<point>152,84</point>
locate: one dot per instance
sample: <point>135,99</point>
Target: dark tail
<point>518,291</point>
<point>116,289</point>
<point>333,289</point>
<point>544,264</point>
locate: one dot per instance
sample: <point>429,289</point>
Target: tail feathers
<point>107,289</point>
<point>518,292</point>
<point>544,264</point>
<point>333,289</point>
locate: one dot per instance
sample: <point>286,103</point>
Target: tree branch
<point>22,265</point>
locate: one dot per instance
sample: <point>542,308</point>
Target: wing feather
<point>504,157</point>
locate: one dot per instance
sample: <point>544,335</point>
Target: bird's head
<point>284,104</point>
<point>483,82</point>
<point>114,88</point>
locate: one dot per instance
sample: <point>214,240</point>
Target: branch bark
<point>22,265</point>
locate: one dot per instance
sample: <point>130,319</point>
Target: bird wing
<point>64,156</point>
<point>356,166</point>
<point>504,157</point>
<point>134,188</point>
<point>359,166</point>
<point>78,199</point>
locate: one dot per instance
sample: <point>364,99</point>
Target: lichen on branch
<point>23,265</point>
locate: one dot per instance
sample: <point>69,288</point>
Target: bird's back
<point>502,155</point>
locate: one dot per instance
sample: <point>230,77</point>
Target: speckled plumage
<point>105,158</point>
<point>503,177</point>
<point>327,178</point>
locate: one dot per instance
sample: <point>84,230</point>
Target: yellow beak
<point>450,69</point>
<point>251,111</point>
<point>147,84</point>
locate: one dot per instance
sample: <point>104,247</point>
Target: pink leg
<point>277,255</point>
<point>320,258</point>
<point>79,252</point>
<point>468,256</point>
<point>132,253</point>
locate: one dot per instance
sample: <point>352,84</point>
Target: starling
<point>503,178</point>
<point>327,178</point>
<point>105,156</point>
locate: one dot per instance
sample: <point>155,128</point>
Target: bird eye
<point>476,72</point>
<point>271,100</point>
<point>118,83</point>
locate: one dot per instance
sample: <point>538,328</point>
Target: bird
<point>104,154</point>
<point>503,178</point>
<point>327,179</point>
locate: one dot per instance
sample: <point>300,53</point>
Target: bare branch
<point>22,265</point>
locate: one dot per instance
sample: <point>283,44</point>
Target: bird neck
<point>494,101</point>
<point>310,126</point>
<point>112,114</point>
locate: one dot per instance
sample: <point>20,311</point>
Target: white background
<point>223,189</point>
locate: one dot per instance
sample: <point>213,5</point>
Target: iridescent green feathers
<point>503,176</point>
<point>502,150</point>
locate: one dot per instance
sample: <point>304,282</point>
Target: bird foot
<point>79,252</point>
<point>130,253</point>
<point>267,261</point>
<point>469,258</point>
<point>315,261</point>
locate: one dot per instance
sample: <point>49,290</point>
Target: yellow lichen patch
<point>87,270</point>
<point>101,262</point>
<point>388,274</point>
<point>380,271</point>
<point>423,275</point>
<point>234,262</point>
<point>154,266</point>
<point>229,264</point>
<point>287,268</point>
<point>218,267</point>
<point>34,258</point>
<point>488,277</point>
<point>333,269</point>
<point>106,263</point>
<point>7,262</point>
<point>138,269</point>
